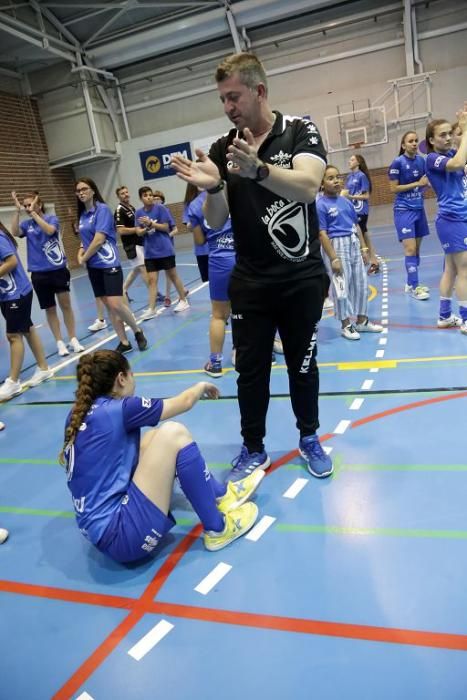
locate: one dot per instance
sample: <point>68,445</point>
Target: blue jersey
<point>45,252</point>
<point>103,458</point>
<point>157,244</point>
<point>220,241</point>
<point>358,183</point>
<point>336,216</point>
<point>405,170</point>
<point>14,284</point>
<point>100,220</point>
<point>448,185</point>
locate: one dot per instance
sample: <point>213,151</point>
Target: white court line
<point>384,313</point>
<point>328,450</point>
<point>373,370</point>
<point>341,427</point>
<point>150,640</point>
<point>383,341</point>
<point>384,306</point>
<point>260,528</point>
<point>385,330</point>
<point>213,578</point>
<point>356,404</point>
<point>385,321</point>
<point>84,696</point>
<point>295,488</point>
<point>379,353</point>
<point>367,384</point>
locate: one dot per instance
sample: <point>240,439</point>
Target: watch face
<point>262,172</point>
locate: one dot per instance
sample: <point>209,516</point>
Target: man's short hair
<point>160,195</point>
<point>120,188</point>
<point>143,190</point>
<point>247,65</point>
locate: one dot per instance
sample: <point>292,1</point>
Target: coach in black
<point>124,216</point>
<point>266,172</point>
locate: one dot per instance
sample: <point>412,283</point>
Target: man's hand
<point>243,155</point>
<point>204,173</point>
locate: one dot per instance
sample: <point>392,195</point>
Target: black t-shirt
<point>125,216</point>
<point>275,238</point>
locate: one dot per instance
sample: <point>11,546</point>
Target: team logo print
<point>152,164</point>
<point>288,230</point>
<point>53,251</point>
<point>8,284</point>
<point>281,159</point>
<point>358,204</point>
<point>107,253</point>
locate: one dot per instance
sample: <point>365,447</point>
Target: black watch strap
<point>262,172</point>
<point>218,188</point>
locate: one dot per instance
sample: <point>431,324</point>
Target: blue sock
<point>445,307</point>
<point>463,310</point>
<point>194,478</point>
<point>218,489</point>
<point>412,270</point>
<point>215,357</point>
<point>418,260</point>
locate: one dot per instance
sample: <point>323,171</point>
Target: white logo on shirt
<point>333,211</point>
<point>438,162</point>
<point>281,159</point>
<point>79,504</point>
<point>53,252</point>
<point>288,228</point>
<point>146,403</point>
<point>107,253</point>
<point>406,230</point>
<point>8,284</point>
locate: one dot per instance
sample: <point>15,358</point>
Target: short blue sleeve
<point>394,170</point>
<point>23,227</point>
<point>322,215</point>
<point>104,221</point>
<point>139,412</point>
<point>364,183</point>
<point>6,249</point>
<point>436,161</point>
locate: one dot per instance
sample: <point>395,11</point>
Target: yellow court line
<point>373,292</point>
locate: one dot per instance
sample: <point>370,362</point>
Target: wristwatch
<point>262,172</point>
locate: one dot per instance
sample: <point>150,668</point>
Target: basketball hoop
<point>356,145</point>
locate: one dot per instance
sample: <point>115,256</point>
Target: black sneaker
<point>122,348</point>
<point>141,340</point>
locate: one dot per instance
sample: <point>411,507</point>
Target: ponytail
<point>364,168</point>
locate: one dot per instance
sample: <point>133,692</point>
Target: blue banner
<point>155,163</point>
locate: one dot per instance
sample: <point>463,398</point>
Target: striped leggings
<point>347,248</point>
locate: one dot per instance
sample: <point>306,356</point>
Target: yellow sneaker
<point>238,492</point>
<point>237,523</point>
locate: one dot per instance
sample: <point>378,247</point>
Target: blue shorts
<point>452,234</point>
<point>220,268</point>
<point>136,528</point>
<point>410,223</point>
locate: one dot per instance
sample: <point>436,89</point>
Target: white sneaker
<point>40,375</point>
<point>463,328</point>
<point>149,313</point>
<point>3,535</point>
<point>328,304</point>
<point>76,345</point>
<point>181,306</point>
<point>98,325</point>
<point>368,327</point>
<point>418,293</point>
<point>233,356</point>
<point>277,347</point>
<point>62,348</point>
<point>451,321</point>
<point>350,333</point>
<point>423,287</point>
<point>9,389</point>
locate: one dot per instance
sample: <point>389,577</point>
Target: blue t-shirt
<point>406,170</point>
<point>448,185</point>
<point>100,219</point>
<point>14,284</point>
<point>357,183</point>
<point>103,458</point>
<point>336,216</point>
<point>220,241</point>
<point>45,252</point>
<point>157,244</point>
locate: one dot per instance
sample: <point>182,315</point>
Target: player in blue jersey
<point>407,179</point>
<point>446,173</point>
<point>121,484</point>
<point>346,255</point>
<point>98,251</point>
<point>154,223</point>
<point>15,305</point>
<point>358,189</point>
<point>159,198</point>
<point>201,251</point>
<point>47,264</point>
<point>221,263</point>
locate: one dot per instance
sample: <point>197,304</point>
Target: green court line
<point>11,460</point>
<point>376,531</point>
<point>37,511</point>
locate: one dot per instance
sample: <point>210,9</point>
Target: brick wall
<point>24,164</point>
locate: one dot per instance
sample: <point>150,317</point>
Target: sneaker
<point>62,348</point>
<point>368,327</point>
<point>463,328</point>
<point>273,359</point>
<point>98,325</point>
<point>3,535</point>
<point>238,492</point>
<point>181,306</point>
<point>149,313</point>
<point>350,333</point>
<point>76,345</point>
<point>40,375</point>
<point>373,269</point>
<point>277,347</point>
<point>418,293</point>
<point>451,321</point>
<point>214,369</point>
<point>9,389</point>
<point>167,302</point>
<point>124,347</point>
<point>328,304</point>
<point>247,462</point>
<point>237,523</point>
<point>141,340</point>
<point>423,287</point>
<point>318,462</point>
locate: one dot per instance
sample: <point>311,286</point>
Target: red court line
<point>68,595</point>
<point>407,407</point>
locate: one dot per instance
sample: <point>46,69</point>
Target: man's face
<point>124,196</point>
<point>241,103</point>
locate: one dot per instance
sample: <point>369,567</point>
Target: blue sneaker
<point>318,462</point>
<point>246,463</point>
<point>214,369</point>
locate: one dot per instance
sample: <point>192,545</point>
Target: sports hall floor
<point>353,588</point>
